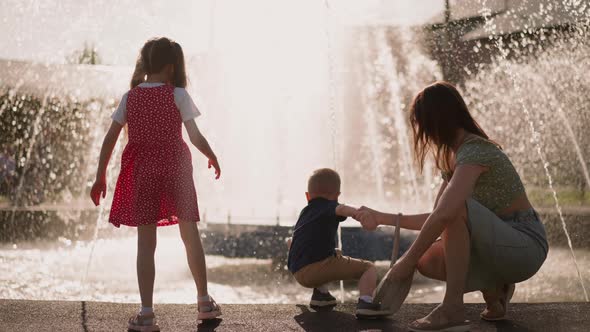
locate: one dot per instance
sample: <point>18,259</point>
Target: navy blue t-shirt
<point>314,235</point>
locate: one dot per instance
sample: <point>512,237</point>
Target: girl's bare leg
<point>189,232</point>
<point>146,271</point>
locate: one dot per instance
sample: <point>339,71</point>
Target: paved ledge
<point>24,315</point>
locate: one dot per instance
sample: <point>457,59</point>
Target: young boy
<point>312,258</point>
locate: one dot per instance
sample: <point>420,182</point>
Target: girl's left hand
<point>215,164</point>
<point>98,188</point>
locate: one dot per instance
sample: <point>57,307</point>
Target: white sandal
<point>143,323</point>
<point>208,309</point>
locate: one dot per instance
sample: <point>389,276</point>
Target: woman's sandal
<point>143,323</point>
<point>208,309</point>
<point>504,300</point>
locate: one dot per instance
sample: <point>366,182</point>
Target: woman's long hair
<point>436,114</point>
<point>154,56</point>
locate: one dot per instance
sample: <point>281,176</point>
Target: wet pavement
<point>26,315</point>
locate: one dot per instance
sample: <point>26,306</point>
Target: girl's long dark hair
<point>154,56</point>
<point>436,114</point>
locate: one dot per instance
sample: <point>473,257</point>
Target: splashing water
<point>570,132</point>
<point>332,102</point>
<point>395,107</point>
<point>498,41</point>
<point>373,135</point>
<point>104,208</point>
<point>26,162</point>
<point>296,111</point>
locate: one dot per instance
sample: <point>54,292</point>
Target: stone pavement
<point>25,315</point>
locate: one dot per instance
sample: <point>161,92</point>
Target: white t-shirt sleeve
<point>120,114</point>
<point>186,105</point>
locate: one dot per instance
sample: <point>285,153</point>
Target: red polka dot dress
<point>156,180</point>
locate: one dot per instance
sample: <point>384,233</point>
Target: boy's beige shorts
<point>333,268</point>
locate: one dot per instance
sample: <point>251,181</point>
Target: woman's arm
<point>99,188</point>
<point>441,190</point>
<point>412,221</point>
<point>201,143</point>
<point>448,209</point>
<point>370,219</point>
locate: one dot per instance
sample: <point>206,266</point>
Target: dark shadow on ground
<point>84,317</point>
<point>332,320</point>
<point>209,325</point>
<point>509,326</point>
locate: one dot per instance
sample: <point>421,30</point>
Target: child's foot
<point>368,310</point>
<point>321,300</point>
<point>143,323</point>
<point>208,309</point>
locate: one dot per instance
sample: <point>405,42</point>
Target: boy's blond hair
<point>324,181</point>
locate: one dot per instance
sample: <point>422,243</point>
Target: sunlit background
<point>284,87</point>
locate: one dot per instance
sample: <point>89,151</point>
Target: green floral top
<point>500,185</point>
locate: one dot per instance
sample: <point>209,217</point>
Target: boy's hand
<point>367,220</point>
<point>98,188</point>
<point>215,164</point>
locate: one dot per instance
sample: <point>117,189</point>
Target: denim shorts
<point>503,250</point>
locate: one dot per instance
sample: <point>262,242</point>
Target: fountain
<point>278,103</point>
<point>507,65</point>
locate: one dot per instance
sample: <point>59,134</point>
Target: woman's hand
<point>99,188</point>
<point>376,214</point>
<point>215,164</point>
<point>367,218</point>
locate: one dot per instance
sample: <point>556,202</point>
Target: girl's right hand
<point>99,188</point>
<point>215,164</point>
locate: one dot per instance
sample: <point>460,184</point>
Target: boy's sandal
<point>504,299</point>
<point>208,309</point>
<point>143,323</point>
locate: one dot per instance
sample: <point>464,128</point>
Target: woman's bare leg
<point>456,249</point>
<point>189,232</point>
<point>432,263</point>
<point>146,271</point>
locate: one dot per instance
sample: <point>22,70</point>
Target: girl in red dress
<point>155,186</point>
